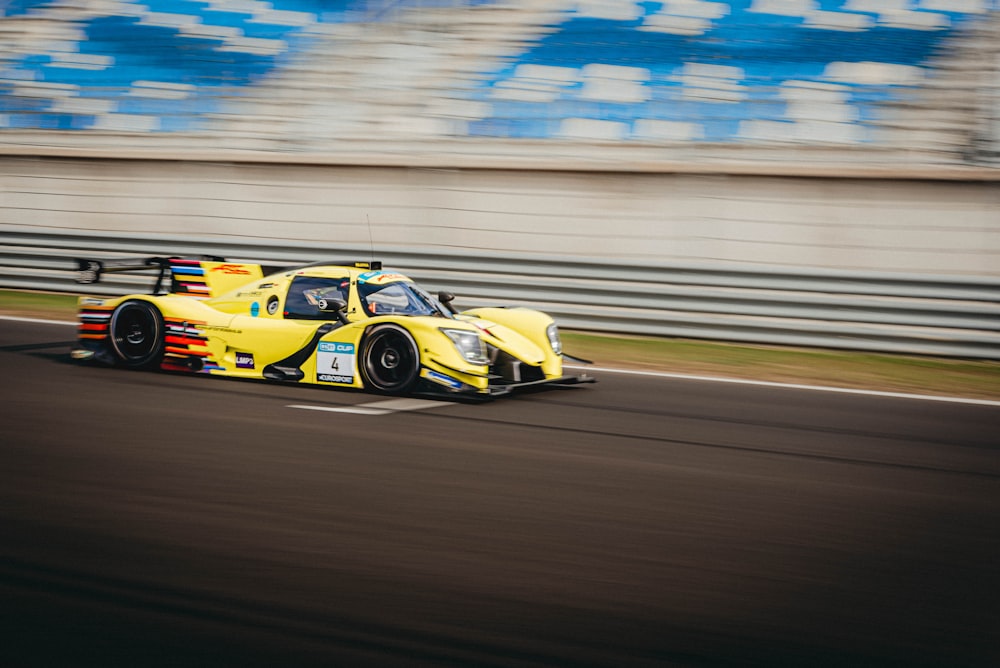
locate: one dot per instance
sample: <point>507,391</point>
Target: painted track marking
<point>406,404</point>
<point>17,318</point>
<point>377,407</point>
<point>791,386</point>
<point>357,410</point>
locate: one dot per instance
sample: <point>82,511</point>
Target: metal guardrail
<point>944,316</point>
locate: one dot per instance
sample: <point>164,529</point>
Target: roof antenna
<point>371,240</point>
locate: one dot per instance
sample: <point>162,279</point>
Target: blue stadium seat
<point>21,7</point>
<point>715,68</point>
<point>773,63</point>
<point>185,43</point>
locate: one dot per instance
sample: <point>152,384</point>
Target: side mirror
<point>333,305</point>
<point>446,298</point>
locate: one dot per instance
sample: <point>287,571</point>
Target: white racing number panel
<point>336,363</point>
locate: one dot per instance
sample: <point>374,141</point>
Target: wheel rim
<point>390,361</point>
<point>135,332</point>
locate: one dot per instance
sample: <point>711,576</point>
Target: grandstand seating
<point>154,65</point>
<point>700,70</point>
<point>750,71</point>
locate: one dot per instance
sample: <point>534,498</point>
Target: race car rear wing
<point>205,277</point>
<point>91,271</point>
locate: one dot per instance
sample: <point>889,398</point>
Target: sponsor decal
<point>216,328</point>
<point>232,269</point>
<point>328,347</point>
<point>255,309</point>
<point>380,277</point>
<point>335,362</point>
<point>443,379</point>
<point>244,361</point>
<point>93,301</point>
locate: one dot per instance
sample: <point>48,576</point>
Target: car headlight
<point>469,345</point>
<point>553,333</point>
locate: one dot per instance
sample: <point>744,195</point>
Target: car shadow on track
<point>34,349</point>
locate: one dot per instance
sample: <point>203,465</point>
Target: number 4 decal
<point>338,360</point>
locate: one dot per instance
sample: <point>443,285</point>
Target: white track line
<point>791,386</point>
<point>17,318</point>
<point>677,376</point>
<point>377,407</point>
<point>406,404</point>
<point>357,410</point>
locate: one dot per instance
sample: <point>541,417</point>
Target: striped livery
<point>94,320</point>
<point>186,347</point>
<point>188,279</point>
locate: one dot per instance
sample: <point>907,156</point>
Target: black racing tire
<point>137,334</point>
<point>390,360</point>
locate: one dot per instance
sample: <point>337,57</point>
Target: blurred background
<point>917,76</point>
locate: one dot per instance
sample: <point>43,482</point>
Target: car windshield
<point>400,298</point>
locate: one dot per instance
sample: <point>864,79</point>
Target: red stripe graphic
<point>186,351</point>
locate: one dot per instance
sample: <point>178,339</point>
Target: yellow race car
<point>339,324</point>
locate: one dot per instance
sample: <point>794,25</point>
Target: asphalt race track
<point>149,519</point>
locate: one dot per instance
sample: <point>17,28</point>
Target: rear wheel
<point>137,334</point>
<point>390,361</point>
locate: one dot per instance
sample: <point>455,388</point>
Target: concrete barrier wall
<point>870,225</point>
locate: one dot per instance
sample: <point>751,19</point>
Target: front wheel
<point>390,361</point>
<point>137,334</point>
